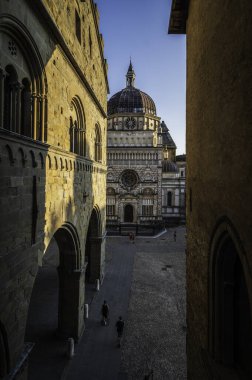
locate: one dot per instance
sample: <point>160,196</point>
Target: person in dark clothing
<point>175,235</point>
<point>105,313</point>
<point>119,328</point>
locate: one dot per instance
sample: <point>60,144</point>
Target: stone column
<point>95,258</point>
<point>13,106</point>
<point>34,116</point>
<point>71,302</point>
<point>18,89</point>
<point>2,77</point>
<point>40,136</point>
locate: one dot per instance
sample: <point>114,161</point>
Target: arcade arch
<point>230,305</point>
<point>61,277</point>
<point>93,249</point>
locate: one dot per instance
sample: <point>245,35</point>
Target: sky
<point>139,29</point>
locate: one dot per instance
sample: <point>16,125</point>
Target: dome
<point>130,99</point>
<point>169,167</point>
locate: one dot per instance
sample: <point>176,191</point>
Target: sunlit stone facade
<point>53,105</point>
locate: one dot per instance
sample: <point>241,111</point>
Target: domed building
<point>144,183</point>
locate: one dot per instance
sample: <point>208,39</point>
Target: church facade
<point>144,183</point>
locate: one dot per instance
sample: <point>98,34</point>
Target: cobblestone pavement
<point>145,283</point>
<point>97,356</point>
<point>151,297</point>
<point>155,332</point>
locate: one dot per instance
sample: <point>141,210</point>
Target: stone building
<point>219,207</point>
<point>53,105</point>
<point>144,184</point>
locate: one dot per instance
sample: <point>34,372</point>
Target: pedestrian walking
<point>133,237</point>
<point>105,313</point>
<point>119,328</point>
<point>175,235</point>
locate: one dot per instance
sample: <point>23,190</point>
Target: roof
<point>131,99</point>
<point>181,157</point>
<point>178,17</point>
<point>169,167</point>
<point>166,137</point>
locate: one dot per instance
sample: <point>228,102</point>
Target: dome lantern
<point>130,76</point>
<point>130,99</point>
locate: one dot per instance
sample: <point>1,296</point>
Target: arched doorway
<point>231,327</point>
<point>57,302</point>
<point>128,213</point>
<point>4,353</point>
<point>94,250</point>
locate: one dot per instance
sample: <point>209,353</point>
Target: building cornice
<point>100,41</point>
<point>178,17</point>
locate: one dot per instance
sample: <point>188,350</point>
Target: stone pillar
<point>71,302</point>
<point>95,259</point>
<point>44,138</point>
<point>40,136</point>
<point>18,89</point>
<point>34,116</point>
<point>13,105</point>
<point>2,77</point>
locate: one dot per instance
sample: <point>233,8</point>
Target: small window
<point>77,26</point>
<point>169,198</point>
<point>147,210</point>
<point>110,209</point>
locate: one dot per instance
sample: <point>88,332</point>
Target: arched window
<point>111,202</point>
<point>77,129</point>
<point>26,108</point>
<point>10,104</point>
<point>23,87</point>
<point>98,143</point>
<point>231,330</point>
<point>169,198</point>
<point>4,352</point>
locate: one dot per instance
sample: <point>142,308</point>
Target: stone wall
<point>219,156</point>
<point>46,190</point>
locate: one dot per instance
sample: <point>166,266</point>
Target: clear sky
<point>139,29</point>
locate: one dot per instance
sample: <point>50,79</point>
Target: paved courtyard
<point>145,283</point>
<point>156,324</point>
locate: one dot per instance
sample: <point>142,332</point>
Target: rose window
<point>129,178</point>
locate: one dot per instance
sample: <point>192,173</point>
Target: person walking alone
<point>105,313</point>
<point>119,328</point>
<point>175,235</point>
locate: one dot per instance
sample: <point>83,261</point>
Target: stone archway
<point>94,250</point>
<point>4,352</point>
<point>128,213</point>
<point>231,321</point>
<point>58,292</point>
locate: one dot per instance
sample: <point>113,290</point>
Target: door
<point>128,213</point>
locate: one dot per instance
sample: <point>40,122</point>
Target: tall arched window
<point>4,352</point>
<point>77,129</point>
<point>111,202</point>
<point>231,330</point>
<point>23,86</point>
<point>169,198</point>
<point>26,119</point>
<point>98,143</point>
<point>10,103</point>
